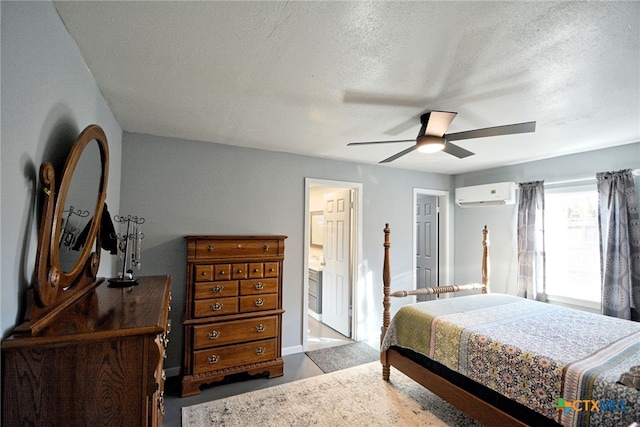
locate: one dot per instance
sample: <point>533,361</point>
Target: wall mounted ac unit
<point>500,193</point>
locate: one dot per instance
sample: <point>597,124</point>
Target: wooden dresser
<point>99,363</point>
<point>233,308</point>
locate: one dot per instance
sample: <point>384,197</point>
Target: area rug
<point>343,356</point>
<point>351,397</point>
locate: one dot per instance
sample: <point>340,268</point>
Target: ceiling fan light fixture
<point>430,144</point>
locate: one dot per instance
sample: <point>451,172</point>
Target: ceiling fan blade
<point>493,131</point>
<point>380,142</point>
<point>400,154</point>
<point>437,122</point>
<point>457,151</point>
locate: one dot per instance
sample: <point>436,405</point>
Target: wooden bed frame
<point>467,402</point>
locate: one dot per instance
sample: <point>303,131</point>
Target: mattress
<point>564,364</point>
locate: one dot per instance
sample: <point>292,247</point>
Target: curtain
<point>531,268</point>
<point>619,225</point>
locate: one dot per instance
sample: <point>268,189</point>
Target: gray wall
<point>48,97</point>
<point>501,220</point>
<point>188,187</point>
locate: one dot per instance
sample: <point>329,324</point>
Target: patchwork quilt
<point>565,364</point>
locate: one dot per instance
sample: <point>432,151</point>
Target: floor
<point>322,336</point>
<point>297,366</point>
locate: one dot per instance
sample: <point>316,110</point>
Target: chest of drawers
<point>233,308</point>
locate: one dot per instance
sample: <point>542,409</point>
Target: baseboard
<point>292,350</point>
<point>315,315</point>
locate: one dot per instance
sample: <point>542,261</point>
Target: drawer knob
<point>258,286</point>
<point>204,273</point>
<point>210,248</point>
<point>261,328</point>
<point>216,307</point>
<point>213,359</point>
<point>266,248</point>
<point>260,350</point>
<point>239,245</point>
<point>213,335</point>
<point>217,289</point>
<point>239,271</point>
<point>255,270</point>
<point>259,302</point>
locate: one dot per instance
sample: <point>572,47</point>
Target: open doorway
<point>431,239</point>
<point>332,251</point>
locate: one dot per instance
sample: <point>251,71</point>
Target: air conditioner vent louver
<point>501,193</point>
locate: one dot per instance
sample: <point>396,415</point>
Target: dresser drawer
<point>222,272</point>
<point>224,333</point>
<point>237,247</point>
<point>215,306</point>
<point>256,270</point>
<point>215,289</point>
<point>271,269</point>
<point>258,302</point>
<point>258,286</point>
<point>239,271</point>
<point>233,355</point>
<point>204,273</point>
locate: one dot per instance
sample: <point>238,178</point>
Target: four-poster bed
<point>506,360</point>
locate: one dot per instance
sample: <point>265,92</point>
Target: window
<point>572,244</point>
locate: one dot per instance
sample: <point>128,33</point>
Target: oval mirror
<point>69,247</point>
<point>79,207</point>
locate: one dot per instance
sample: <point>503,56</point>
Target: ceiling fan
<point>432,137</point>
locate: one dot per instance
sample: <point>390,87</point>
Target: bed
<point>505,360</point>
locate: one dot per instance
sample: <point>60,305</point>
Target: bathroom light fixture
<point>430,144</point>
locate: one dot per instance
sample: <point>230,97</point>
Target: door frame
<point>445,257</point>
<point>355,256</point>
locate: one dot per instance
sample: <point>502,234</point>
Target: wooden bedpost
<point>485,260</point>
<point>386,302</point>
<point>386,281</point>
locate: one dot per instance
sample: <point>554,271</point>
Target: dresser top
<point>107,312</point>
<point>236,237</point>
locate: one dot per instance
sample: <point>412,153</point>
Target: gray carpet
<point>352,397</point>
<point>344,356</point>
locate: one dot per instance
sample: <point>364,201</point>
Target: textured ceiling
<point>310,77</point>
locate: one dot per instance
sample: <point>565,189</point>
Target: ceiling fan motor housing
<point>430,143</point>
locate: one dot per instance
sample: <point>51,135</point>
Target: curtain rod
<point>571,181</point>
<point>634,172</point>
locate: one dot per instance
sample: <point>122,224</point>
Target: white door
<point>426,243</point>
<point>336,274</point>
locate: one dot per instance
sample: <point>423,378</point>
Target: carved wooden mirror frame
<point>57,287</point>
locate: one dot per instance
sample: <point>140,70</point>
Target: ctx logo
<point>591,405</point>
